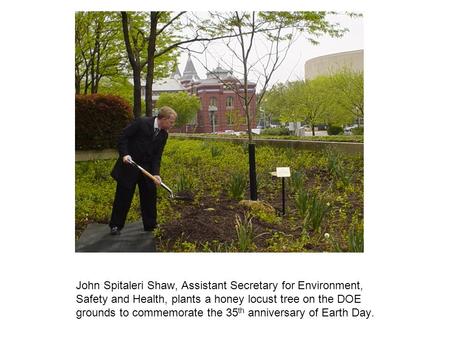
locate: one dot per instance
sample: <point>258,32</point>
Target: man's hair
<point>165,112</point>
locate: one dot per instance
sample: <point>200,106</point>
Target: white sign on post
<point>283,172</point>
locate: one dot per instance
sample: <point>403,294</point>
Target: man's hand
<point>158,179</point>
<point>126,159</point>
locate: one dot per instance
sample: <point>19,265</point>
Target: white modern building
<point>332,63</point>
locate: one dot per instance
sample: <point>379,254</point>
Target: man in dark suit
<point>143,141</point>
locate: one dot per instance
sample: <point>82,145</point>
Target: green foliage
<point>273,103</point>
<point>117,86</point>
<point>335,130</point>
<point>237,185</point>
<point>301,196</point>
<point>216,246</point>
<point>335,100</point>
<point>266,216</point>
<point>309,205</point>
<point>215,150</point>
<point>307,101</point>
<point>294,232</point>
<point>358,131</point>
<point>297,181</point>
<point>184,246</point>
<point>184,104</point>
<point>139,31</point>
<point>276,131</point>
<point>315,213</point>
<point>98,51</point>
<point>337,167</point>
<point>99,119</point>
<point>244,232</point>
<point>301,200</point>
<point>281,242</point>
<point>332,138</point>
<point>356,236</point>
<point>184,183</point>
<point>348,92</point>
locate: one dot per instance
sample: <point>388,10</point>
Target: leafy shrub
<point>276,131</point>
<point>99,119</point>
<point>358,131</point>
<point>335,130</point>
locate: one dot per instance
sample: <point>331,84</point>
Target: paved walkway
<point>133,238</point>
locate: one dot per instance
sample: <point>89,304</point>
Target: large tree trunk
<point>135,66</point>
<point>151,63</point>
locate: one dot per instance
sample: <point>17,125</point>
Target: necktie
<point>156,132</point>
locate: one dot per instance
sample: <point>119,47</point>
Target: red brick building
<point>221,95</point>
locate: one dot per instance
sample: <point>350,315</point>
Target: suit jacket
<point>139,141</point>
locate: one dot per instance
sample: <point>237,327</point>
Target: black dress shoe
<point>115,231</point>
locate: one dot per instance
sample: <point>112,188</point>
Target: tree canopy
<point>337,99</point>
<point>184,104</point>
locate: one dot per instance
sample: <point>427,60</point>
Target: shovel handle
<point>146,173</point>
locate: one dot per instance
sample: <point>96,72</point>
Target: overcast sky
<point>300,51</point>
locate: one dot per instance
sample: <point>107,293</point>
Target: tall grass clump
<point>215,150</point>
<point>301,198</point>
<point>336,167</point>
<point>302,202</point>
<point>297,181</point>
<point>184,183</point>
<point>316,211</point>
<point>356,237</point>
<point>237,185</point>
<point>244,232</point>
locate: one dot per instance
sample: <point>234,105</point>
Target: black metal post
<point>283,197</point>
<point>252,167</point>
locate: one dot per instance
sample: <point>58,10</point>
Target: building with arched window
<point>221,95</point>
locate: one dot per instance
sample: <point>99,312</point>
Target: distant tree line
<point>334,100</point>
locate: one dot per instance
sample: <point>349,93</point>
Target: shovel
<point>153,178</point>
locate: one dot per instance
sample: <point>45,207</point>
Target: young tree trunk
<point>151,63</point>
<point>251,145</point>
<point>86,83</point>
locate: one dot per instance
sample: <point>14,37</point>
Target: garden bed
<point>324,199</point>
